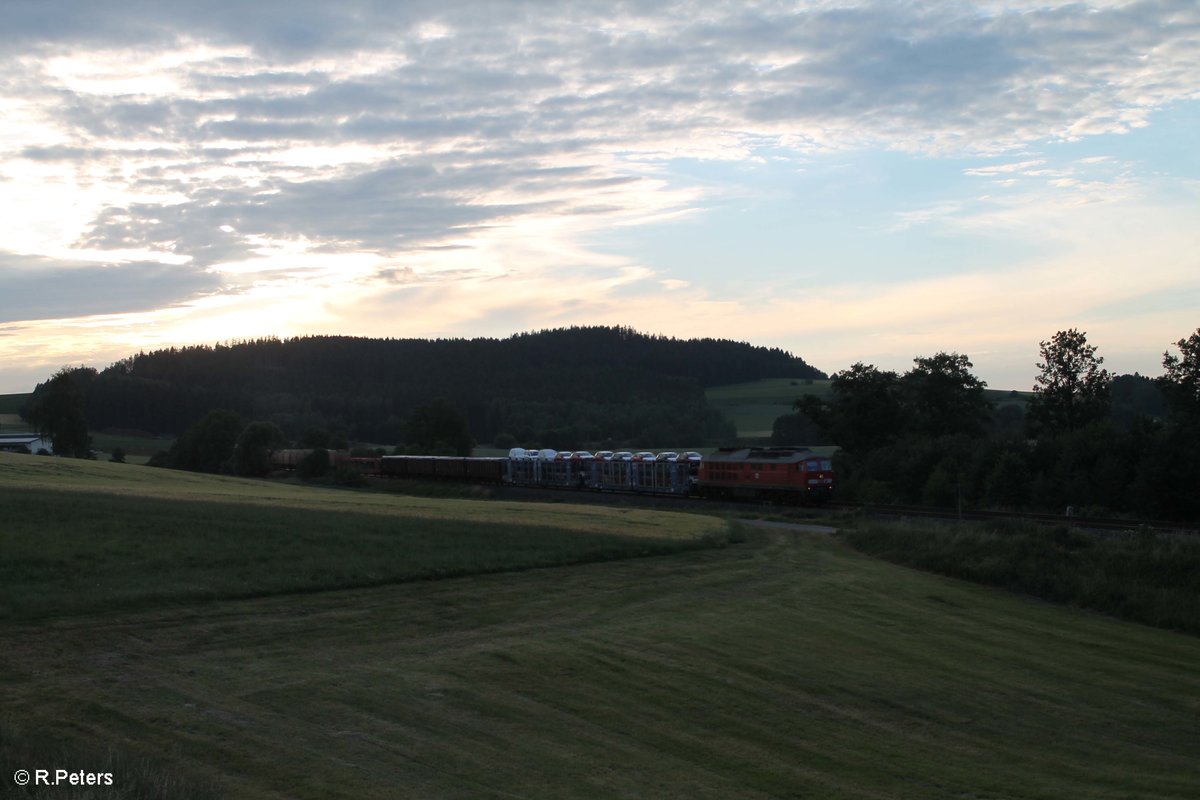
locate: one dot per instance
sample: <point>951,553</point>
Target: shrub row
<point>1142,576</point>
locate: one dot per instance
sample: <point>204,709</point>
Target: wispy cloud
<point>180,151</point>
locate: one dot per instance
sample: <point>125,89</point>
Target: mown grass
<point>133,777</point>
<point>21,473</point>
<point>1147,577</point>
<point>70,551</point>
<point>74,552</point>
<point>787,666</point>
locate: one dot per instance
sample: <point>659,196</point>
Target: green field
<point>140,447</point>
<point>784,664</point>
<point>137,448</point>
<point>754,406</point>
<point>136,536</point>
<point>11,403</point>
<point>1003,397</point>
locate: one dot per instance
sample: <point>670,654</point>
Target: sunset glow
<point>847,181</point>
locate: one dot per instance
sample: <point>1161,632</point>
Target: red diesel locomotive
<point>783,474</point>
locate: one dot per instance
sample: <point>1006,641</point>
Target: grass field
<point>92,536</point>
<point>754,406</point>
<point>1003,397</point>
<point>21,473</point>
<point>786,665</point>
<point>141,447</point>
<point>1149,577</point>
<point>10,403</point>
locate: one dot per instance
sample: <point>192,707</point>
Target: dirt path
<point>799,527</point>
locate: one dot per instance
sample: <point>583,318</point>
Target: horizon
<point>236,342</point>
<point>846,181</point>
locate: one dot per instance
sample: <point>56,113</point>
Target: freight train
<point>774,474</point>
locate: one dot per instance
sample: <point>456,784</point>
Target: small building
<point>24,443</point>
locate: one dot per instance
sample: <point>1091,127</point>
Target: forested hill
<point>577,384</point>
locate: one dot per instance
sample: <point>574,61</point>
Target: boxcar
<point>487,470</point>
<point>364,465</point>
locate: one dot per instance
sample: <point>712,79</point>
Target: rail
<point>1069,520</point>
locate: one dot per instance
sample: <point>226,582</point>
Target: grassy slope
<point>26,472</point>
<point>1149,577</point>
<point>73,552</point>
<point>785,666</point>
<point>85,536</point>
<point>754,406</point>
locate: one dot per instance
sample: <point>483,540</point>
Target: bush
<point>314,465</point>
<point>347,475</point>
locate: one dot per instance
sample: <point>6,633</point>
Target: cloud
<point>501,84</point>
<point>1023,167</point>
<point>461,143</point>
<point>37,289</point>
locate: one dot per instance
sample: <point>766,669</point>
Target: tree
<point>1007,485</point>
<point>252,453</point>
<point>207,445</point>
<point>316,438</point>
<point>1181,384</point>
<point>942,397</point>
<point>1134,398</point>
<point>864,410</point>
<point>314,465</point>
<point>57,411</point>
<point>439,427</point>
<point>1072,390</point>
<point>794,429</point>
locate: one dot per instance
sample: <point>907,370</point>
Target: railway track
<point>1069,520</point>
<point>875,510</point>
<point>573,494</point>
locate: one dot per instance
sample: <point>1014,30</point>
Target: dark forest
<point>563,387</point>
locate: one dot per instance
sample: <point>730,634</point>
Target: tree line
<point>563,388</point>
<point>1085,439</point>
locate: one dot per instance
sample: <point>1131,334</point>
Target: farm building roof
<point>23,441</point>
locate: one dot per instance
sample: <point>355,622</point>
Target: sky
<point>849,180</point>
